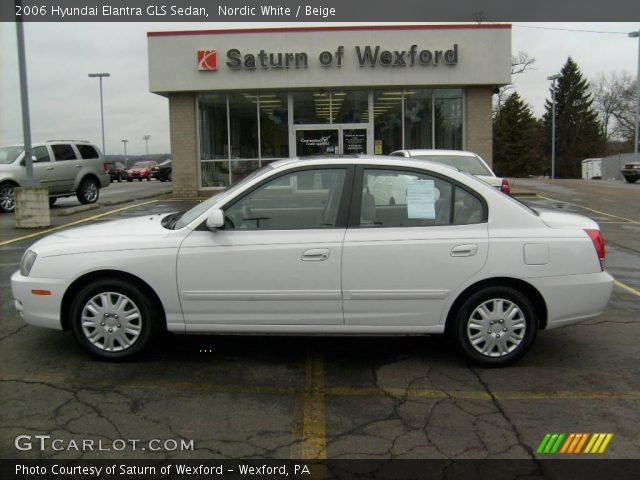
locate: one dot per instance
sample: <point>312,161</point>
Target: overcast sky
<point>64,103</point>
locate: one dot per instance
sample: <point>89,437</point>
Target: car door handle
<point>467,250</point>
<point>78,166</point>
<point>315,255</point>
<point>49,168</point>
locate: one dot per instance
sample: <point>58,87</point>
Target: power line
<point>570,30</point>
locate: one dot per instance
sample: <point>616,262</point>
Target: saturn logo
<point>207,60</point>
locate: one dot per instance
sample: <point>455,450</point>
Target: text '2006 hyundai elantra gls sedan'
<point>362,245</point>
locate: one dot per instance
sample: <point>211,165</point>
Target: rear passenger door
<point>412,239</point>
<point>66,164</point>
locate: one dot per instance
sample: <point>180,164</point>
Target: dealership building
<point>239,99</point>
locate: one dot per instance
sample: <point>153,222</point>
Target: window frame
<point>356,196</point>
<point>344,206</point>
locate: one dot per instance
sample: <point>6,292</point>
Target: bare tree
<point>520,63</point>
<point>614,98</point>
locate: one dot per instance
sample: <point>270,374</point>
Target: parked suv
<point>631,172</point>
<point>67,167</point>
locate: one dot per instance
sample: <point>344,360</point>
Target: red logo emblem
<point>207,60</point>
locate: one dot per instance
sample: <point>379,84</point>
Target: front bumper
<point>39,310</point>
<point>574,298</point>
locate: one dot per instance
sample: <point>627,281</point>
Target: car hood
<point>117,235</point>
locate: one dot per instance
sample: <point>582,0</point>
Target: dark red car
<point>141,171</point>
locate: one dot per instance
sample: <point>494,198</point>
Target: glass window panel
<point>448,118</point>
<point>385,203</point>
<point>214,174</point>
<point>40,154</point>
<point>308,199</point>
<point>274,126</point>
<point>467,209</point>
<point>213,127</point>
<point>387,121</point>
<point>354,141</point>
<point>311,107</point>
<point>63,152</point>
<point>418,119</point>
<point>242,168</point>
<point>243,123</point>
<point>317,142</point>
<point>350,106</point>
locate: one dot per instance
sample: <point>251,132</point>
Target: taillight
<point>505,187</point>
<point>598,244</point>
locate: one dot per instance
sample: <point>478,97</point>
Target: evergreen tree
<point>516,138</point>
<point>578,131</point>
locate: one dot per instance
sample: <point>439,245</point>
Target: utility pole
<point>124,142</point>
<point>146,143</point>
<point>100,76</point>
<point>553,79</point>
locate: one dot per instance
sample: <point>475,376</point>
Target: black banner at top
<point>317,10</point>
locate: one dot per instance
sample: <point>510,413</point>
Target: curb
<point>81,208</point>
<point>154,194</point>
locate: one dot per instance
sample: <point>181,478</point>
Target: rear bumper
<point>574,298</point>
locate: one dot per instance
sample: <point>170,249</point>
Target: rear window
<point>464,163</point>
<point>63,152</point>
<point>88,152</point>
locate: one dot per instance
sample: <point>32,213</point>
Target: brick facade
<point>182,119</point>
<point>479,126</point>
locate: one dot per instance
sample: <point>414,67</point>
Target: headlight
<point>28,259</point>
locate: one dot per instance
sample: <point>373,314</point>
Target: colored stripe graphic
<point>573,443</point>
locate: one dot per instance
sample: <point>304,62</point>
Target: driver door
<point>277,260</point>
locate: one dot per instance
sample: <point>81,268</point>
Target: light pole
<point>635,147</point>
<point>124,142</point>
<point>146,144</point>
<point>100,75</point>
<point>553,79</point>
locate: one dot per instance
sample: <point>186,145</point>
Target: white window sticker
<point>421,199</point>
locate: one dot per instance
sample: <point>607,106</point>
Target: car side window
<point>63,152</point>
<point>87,151</point>
<point>397,198</point>
<point>306,199</point>
<point>40,154</point>
<point>467,208</point>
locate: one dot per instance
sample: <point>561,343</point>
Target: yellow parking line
<point>314,445</point>
<point>590,209</point>
<point>70,224</point>
<point>626,287</point>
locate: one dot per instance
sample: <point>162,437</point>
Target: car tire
<point>631,179</point>
<point>89,191</point>
<point>140,179</point>
<point>169,176</point>
<point>52,201</point>
<point>129,179</point>
<point>7,198</point>
<point>119,177</point>
<point>492,313</point>
<point>97,313</point>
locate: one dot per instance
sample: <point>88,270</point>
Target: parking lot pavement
<point>325,397</point>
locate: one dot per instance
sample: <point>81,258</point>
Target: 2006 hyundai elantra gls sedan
<point>362,245</point>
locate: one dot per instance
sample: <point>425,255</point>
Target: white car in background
<point>306,247</point>
<point>464,161</point>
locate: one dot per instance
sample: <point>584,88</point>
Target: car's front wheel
<point>88,191</point>
<point>7,198</point>
<point>113,320</point>
<point>631,179</point>
<point>495,326</point>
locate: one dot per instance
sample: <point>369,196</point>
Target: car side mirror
<point>215,219</point>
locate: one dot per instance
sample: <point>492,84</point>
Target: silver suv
<point>67,167</point>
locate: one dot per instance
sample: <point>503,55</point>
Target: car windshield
<point>141,164</point>
<point>9,154</point>
<point>464,163</point>
<point>190,215</point>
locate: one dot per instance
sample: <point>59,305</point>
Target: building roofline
<point>463,26</point>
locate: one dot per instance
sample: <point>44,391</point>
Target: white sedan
<point>315,247</point>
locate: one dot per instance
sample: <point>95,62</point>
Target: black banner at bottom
<point>494,469</point>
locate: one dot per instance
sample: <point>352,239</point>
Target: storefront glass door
<point>330,141</point>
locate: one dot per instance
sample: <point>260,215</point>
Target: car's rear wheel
<point>631,179</point>
<point>88,191</point>
<point>113,320</point>
<point>7,198</point>
<point>495,326</point>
